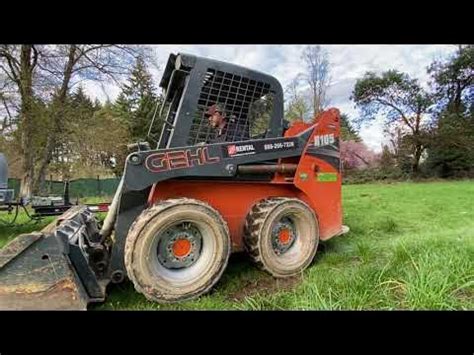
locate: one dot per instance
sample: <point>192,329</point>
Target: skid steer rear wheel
<point>281,236</point>
<point>177,250</point>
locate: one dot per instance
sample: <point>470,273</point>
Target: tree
<point>70,153</point>
<point>356,155</point>
<point>92,62</point>
<point>97,105</point>
<point>82,103</point>
<point>387,160</point>
<point>138,103</point>
<point>348,133</point>
<point>399,99</point>
<point>7,118</point>
<point>106,142</point>
<point>452,149</point>
<point>400,147</point>
<point>453,81</point>
<point>123,108</point>
<point>18,64</point>
<point>46,73</point>
<point>297,106</point>
<point>317,76</point>
<point>86,152</point>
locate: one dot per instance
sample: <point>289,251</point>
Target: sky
<point>348,63</point>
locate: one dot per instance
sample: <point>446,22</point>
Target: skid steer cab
<point>228,174</point>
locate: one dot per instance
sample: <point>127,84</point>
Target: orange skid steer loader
<point>255,183</point>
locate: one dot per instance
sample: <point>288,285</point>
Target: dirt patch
<point>464,295</point>
<point>264,285</point>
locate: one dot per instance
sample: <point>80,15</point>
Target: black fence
<point>77,188</point>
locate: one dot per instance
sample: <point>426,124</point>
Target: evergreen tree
<point>81,106</point>
<point>137,103</point>
<point>78,112</point>
<point>348,133</point>
<point>452,149</point>
<point>109,139</point>
<point>122,108</point>
<point>97,105</point>
<point>387,159</point>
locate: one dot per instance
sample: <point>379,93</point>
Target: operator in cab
<point>226,129</point>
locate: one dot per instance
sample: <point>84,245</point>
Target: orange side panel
<point>326,195</point>
<point>233,200</point>
<point>296,127</point>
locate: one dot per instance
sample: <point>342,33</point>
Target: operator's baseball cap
<point>213,109</point>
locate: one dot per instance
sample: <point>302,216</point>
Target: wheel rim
<point>300,245</point>
<point>179,246</point>
<point>185,267</point>
<point>284,235</point>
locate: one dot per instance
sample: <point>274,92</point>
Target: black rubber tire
<point>257,237</point>
<point>154,281</point>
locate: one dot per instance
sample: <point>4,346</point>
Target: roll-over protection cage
<point>253,101</point>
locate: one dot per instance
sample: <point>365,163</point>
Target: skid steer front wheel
<point>281,236</point>
<point>177,250</point>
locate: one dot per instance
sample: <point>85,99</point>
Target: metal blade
<point>36,275</point>
<point>42,271</point>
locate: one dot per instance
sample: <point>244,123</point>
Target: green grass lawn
<point>411,246</point>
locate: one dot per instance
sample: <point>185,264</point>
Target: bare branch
<point>35,57</point>
<point>402,115</point>
<point>6,106</point>
<point>57,74</point>
<point>13,74</point>
<point>317,75</point>
<point>102,68</point>
<point>9,75</point>
<point>4,53</point>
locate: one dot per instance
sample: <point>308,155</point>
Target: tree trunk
<point>45,160</point>
<point>26,112</point>
<point>58,117</point>
<point>416,159</point>
<point>26,184</point>
<point>40,182</point>
<point>316,103</point>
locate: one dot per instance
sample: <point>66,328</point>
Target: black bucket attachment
<point>63,267</point>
